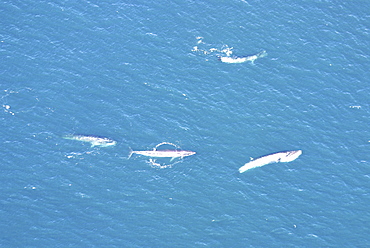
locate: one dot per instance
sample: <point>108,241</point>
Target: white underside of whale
<point>287,156</point>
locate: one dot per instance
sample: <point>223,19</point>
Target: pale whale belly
<point>286,156</point>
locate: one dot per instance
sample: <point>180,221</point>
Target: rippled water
<point>129,72</point>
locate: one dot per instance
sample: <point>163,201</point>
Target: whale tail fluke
<point>261,54</point>
<point>68,137</point>
<point>130,153</point>
<point>257,56</point>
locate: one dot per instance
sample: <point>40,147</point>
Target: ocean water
<point>128,71</point>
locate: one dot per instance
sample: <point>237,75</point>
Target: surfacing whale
<point>93,140</point>
<point>237,59</point>
<point>286,156</point>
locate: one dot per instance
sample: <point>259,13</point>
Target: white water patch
<point>355,107</point>
<point>80,155</point>
<point>203,48</point>
<point>162,165</point>
<point>7,109</point>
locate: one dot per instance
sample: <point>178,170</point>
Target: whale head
<point>290,156</point>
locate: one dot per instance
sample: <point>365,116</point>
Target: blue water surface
<point>128,71</point>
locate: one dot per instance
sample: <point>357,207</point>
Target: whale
<point>237,59</point>
<point>93,140</point>
<point>163,153</point>
<point>284,156</point>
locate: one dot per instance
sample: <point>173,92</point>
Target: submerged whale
<point>286,156</point>
<point>236,59</point>
<point>94,140</point>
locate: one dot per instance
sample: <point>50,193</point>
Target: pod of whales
<point>284,156</point>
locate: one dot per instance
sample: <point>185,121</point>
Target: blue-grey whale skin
<point>94,140</point>
<point>285,156</point>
